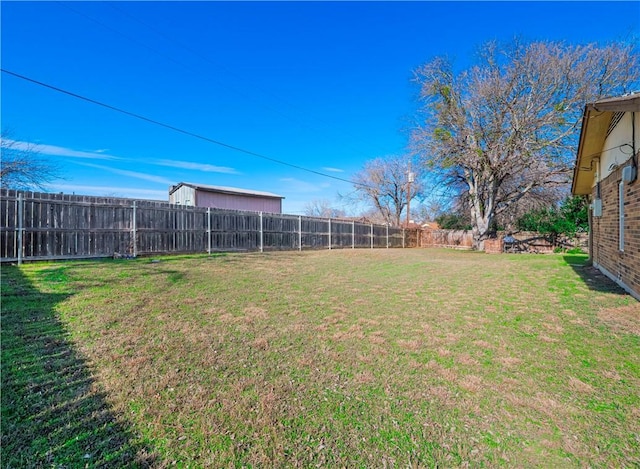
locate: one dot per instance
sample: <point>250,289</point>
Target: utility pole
<point>410,179</point>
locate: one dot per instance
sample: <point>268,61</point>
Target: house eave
<point>592,137</point>
<point>628,103</point>
<point>595,124</point>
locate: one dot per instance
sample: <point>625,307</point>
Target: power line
<point>176,129</point>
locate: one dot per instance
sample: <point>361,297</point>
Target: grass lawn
<point>383,358</point>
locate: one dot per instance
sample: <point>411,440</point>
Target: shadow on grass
<point>53,413</point>
<point>591,276</point>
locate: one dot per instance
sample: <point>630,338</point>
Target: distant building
<point>231,198</point>
<point>431,225</point>
<point>607,172</point>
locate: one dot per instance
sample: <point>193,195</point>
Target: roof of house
<point>595,123</point>
<point>225,190</point>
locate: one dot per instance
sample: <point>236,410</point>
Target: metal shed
<point>231,198</point>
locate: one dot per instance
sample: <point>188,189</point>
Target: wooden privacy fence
<point>40,226</point>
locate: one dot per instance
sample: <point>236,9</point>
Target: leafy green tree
<point>575,211</point>
<point>570,218</point>
<point>453,221</point>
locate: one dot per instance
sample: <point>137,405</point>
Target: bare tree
<point>322,208</point>
<point>428,210</point>
<point>372,215</point>
<point>383,184</point>
<point>22,167</point>
<point>507,127</point>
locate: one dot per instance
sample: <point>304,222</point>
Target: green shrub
<point>570,218</point>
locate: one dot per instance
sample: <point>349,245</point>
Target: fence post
<point>353,234</point>
<point>387,225</point>
<point>134,231</point>
<point>299,233</point>
<point>329,233</point>
<point>402,238</point>
<point>261,235</point>
<point>20,230</point>
<point>371,235</point>
<point>209,230</point>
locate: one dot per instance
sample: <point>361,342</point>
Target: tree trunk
<point>480,227</point>
<point>481,210</point>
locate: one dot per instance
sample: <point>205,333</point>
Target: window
<point>621,216</point>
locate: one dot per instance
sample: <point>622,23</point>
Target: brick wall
<point>446,238</point>
<point>621,266</point>
<point>493,246</point>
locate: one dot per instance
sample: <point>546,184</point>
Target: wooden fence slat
<point>64,226</point>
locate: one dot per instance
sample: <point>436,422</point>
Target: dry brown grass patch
<point>611,374</point>
<point>528,329</point>
<point>339,309</point>
<point>549,406</point>
<point>483,344</point>
<point>466,359</point>
<point>306,362</point>
<point>368,322</point>
<point>547,339</point>
<point>452,338</point>
<point>376,339</point>
<point>260,343</point>
<point>473,320</point>
<point>448,374</point>
<point>364,358</point>
<point>579,386</point>
<point>556,328</point>
<point>299,327</point>
<point>510,384</point>
<point>255,312</point>
<point>336,318</point>
<point>472,383</point>
<point>212,311</point>
<point>509,361</point>
<point>427,329</point>
<point>571,445</point>
<point>230,318</point>
<point>625,319</point>
<point>412,344</point>
<point>356,331</point>
<point>443,394</point>
<point>340,335</point>
<point>268,402</point>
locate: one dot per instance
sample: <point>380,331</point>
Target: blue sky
<point>322,85</point>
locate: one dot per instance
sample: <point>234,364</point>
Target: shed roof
<point>225,190</point>
<point>595,123</point>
